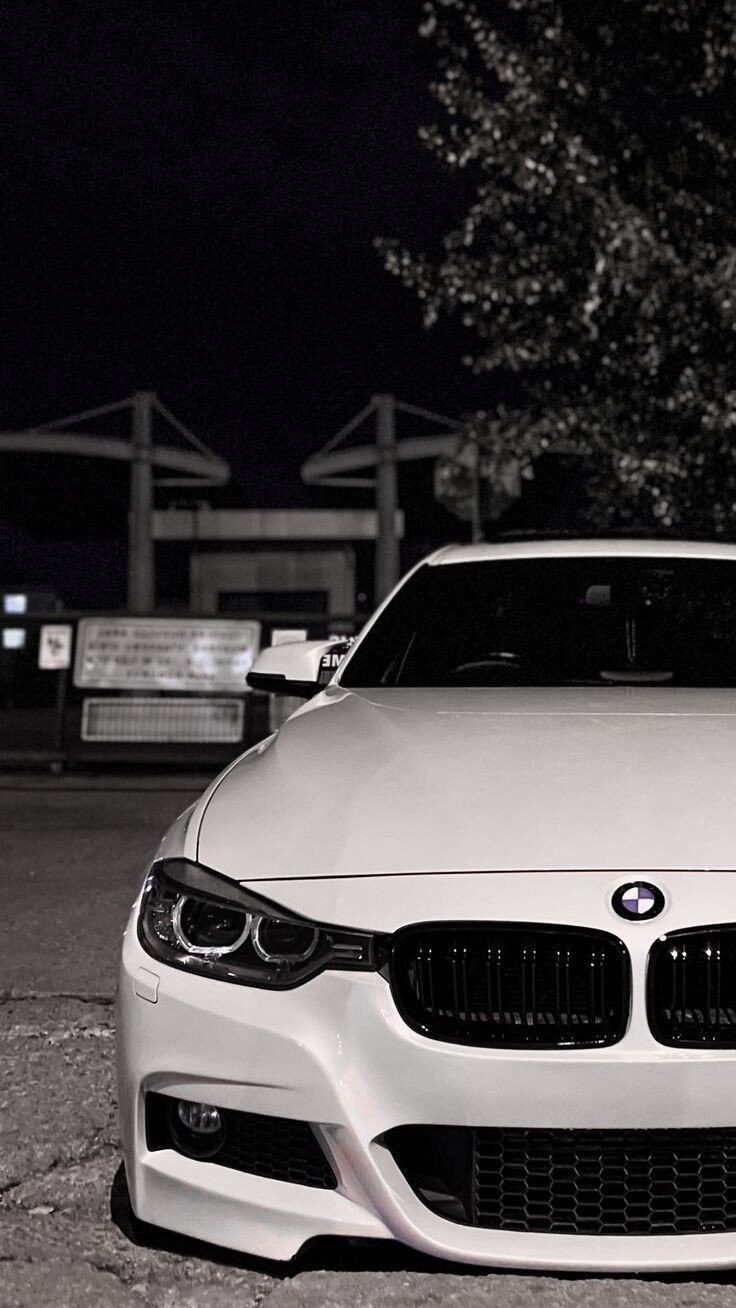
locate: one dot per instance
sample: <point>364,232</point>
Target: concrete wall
<point>331,570</point>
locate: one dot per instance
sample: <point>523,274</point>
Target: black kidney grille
<point>611,1182</point>
<point>691,991</point>
<point>497,984</point>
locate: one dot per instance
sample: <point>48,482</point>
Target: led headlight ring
<point>211,950</point>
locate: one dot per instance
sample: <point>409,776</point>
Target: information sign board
<point>147,720</point>
<point>207,654</point>
<point>55,646</point>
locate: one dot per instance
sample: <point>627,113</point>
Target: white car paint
<point>378,809</point>
<point>399,780</point>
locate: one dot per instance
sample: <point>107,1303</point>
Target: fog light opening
<point>197,1130</point>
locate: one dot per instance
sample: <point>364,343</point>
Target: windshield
<point>556,622</point>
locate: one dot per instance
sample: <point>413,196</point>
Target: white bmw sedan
<point>451,959</point>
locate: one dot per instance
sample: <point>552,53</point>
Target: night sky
<point>191,194</point>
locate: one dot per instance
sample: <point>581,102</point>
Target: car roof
<point>599,547</point>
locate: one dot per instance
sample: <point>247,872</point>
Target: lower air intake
<point>622,1182</point>
<point>276,1147</point>
<point>510,984</point>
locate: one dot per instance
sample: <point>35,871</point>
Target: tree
<point>596,260</point>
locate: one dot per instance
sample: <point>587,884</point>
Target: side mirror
<point>300,668</point>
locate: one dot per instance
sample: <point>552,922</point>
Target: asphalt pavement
<point>71,858</point>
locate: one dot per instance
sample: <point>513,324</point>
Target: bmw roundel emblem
<point>638,901</point>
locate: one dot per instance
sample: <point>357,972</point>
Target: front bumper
<point>335,1053</point>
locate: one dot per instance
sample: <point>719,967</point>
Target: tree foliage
<point>597,258</point>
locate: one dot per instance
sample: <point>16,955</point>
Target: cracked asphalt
<point>71,860</point>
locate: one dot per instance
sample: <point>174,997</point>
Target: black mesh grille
<point>692,987</point>
<point>514,985</point>
<point>624,1182</point>
<point>275,1147</point>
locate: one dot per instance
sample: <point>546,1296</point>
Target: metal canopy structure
<point>195,468</point>
<point>336,465</point>
<point>189,464</point>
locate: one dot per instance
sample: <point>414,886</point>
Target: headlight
<point>203,922</point>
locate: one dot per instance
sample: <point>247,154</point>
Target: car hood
<point>379,782</point>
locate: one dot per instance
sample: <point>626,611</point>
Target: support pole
<point>476,527</point>
<point>140,515</point>
<point>387,545</point>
